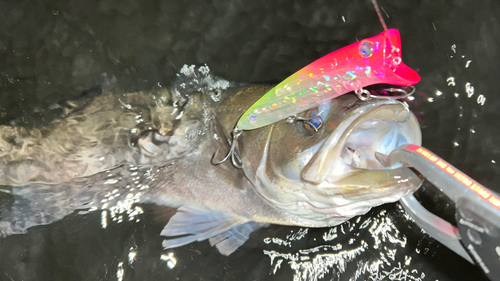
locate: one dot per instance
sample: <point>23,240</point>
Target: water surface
<point>52,51</point>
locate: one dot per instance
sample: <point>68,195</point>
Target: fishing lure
<point>375,60</point>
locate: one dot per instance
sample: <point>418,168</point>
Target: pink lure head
<point>375,60</point>
<point>393,70</point>
<point>380,54</point>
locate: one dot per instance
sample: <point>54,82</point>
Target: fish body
<point>115,151</point>
<point>375,60</point>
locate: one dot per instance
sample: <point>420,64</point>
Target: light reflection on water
<point>341,247</point>
<point>169,259</point>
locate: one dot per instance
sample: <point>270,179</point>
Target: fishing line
<point>377,9</point>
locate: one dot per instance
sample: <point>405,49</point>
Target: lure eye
<point>315,122</point>
<point>366,49</point>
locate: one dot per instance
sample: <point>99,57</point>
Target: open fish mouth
<point>348,180</point>
<point>339,176</point>
<point>376,127</point>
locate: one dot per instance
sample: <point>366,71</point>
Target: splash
<point>191,79</point>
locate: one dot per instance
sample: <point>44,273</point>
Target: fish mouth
<point>339,177</point>
<point>344,179</point>
<point>379,126</point>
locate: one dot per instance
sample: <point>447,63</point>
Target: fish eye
<point>314,121</point>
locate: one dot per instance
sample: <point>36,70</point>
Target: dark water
<point>51,51</point>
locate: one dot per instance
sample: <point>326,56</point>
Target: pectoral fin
<point>192,224</point>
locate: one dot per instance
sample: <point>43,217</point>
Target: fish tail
<point>33,205</point>
<point>116,191</point>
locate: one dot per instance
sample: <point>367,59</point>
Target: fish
<point>113,152</point>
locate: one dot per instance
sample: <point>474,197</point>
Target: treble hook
<point>365,95</point>
<point>233,153</point>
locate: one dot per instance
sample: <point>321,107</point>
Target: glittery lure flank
<point>375,60</point>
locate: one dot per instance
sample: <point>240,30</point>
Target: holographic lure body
<point>375,60</point>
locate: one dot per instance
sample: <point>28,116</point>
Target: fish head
<point>324,171</point>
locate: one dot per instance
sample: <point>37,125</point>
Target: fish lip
<point>319,167</point>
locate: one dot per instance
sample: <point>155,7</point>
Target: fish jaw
<point>375,60</point>
<point>321,186</point>
<point>328,205</point>
<point>348,187</point>
<point>366,131</point>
